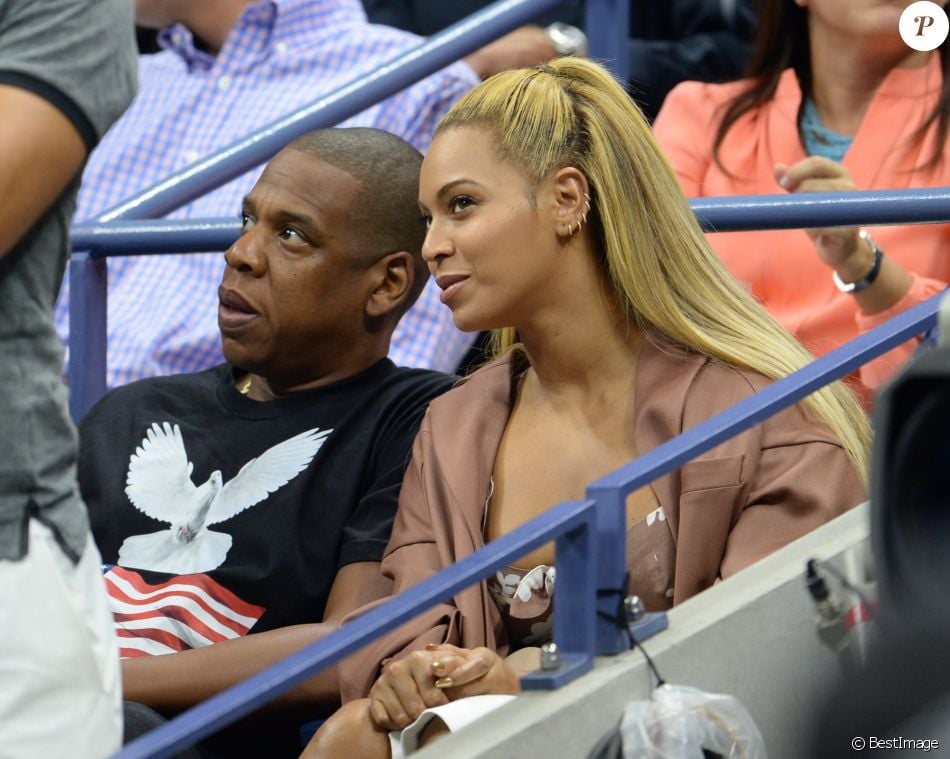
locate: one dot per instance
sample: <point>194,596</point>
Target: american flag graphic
<point>188,611</point>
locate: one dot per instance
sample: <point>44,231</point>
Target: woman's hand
<point>435,676</point>
<point>406,687</point>
<point>839,247</point>
<point>480,671</point>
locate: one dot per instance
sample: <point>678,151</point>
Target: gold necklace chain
<point>246,387</point>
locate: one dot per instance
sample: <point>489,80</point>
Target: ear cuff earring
<point>583,221</point>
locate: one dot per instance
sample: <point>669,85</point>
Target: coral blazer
<point>742,500</point>
<point>781,268</point>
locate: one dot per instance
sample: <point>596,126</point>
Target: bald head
<point>385,212</point>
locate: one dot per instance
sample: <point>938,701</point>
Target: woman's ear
<point>393,278</point>
<point>571,200</point>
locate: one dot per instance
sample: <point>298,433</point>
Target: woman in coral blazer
<point>835,101</point>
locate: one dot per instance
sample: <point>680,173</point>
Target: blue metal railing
<point>730,214</point>
<point>577,549</point>
<point>97,241</point>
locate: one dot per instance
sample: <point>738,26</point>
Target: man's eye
<point>291,235</point>
<point>247,221</point>
<point>460,203</point>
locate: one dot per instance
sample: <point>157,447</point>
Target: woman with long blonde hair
<point>554,219</point>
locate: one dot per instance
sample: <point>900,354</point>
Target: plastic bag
<point>680,722</point>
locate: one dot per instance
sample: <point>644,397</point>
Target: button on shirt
<point>280,56</point>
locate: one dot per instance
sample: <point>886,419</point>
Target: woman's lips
<point>450,285</point>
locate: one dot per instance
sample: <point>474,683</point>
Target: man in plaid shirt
<point>227,68</point>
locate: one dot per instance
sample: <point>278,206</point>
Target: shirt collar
<point>293,15</point>
<point>262,24</point>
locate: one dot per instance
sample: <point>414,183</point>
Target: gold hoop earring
<point>570,229</point>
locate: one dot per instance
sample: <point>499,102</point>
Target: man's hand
<point>522,48</point>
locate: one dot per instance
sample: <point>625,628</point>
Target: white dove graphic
<point>159,484</point>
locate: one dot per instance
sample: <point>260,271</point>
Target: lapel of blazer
<point>881,153</point>
<point>664,375</point>
<point>469,431</point>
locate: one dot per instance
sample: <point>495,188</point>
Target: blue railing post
<point>575,594</point>
<point>88,282</point>
<point>607,23</point>
<point>611,517</point>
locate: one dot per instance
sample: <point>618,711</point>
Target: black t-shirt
<point>227,515</point>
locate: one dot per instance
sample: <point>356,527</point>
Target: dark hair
<point>782,42</point>
<point>385,211</point>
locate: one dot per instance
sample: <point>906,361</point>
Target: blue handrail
<point>729,214</point>
<point>92,242</point>
<point>823,209</point>
<point>608,497</point>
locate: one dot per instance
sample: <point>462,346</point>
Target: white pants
<point>60,689</point>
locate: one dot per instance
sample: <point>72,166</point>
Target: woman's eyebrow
<point>447,187</point>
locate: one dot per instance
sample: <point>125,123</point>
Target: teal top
<point>818,139</point>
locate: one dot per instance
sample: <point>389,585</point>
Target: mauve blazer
<point>742,500</point>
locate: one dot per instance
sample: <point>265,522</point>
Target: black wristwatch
<point>566,39</point>
<point>862,284</point>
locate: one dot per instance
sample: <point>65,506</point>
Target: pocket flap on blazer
<point>707,474</point>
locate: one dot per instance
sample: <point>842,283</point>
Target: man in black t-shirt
<point>258,497</point>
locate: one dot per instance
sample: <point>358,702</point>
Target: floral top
<point>525,597</point>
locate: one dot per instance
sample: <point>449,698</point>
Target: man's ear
<point>393,278</point>
<point>571,203</point>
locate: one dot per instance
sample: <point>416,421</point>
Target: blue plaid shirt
<point>279,56</point>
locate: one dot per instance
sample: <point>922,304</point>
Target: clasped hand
<point>839,247</point>
<point>435,676</point>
